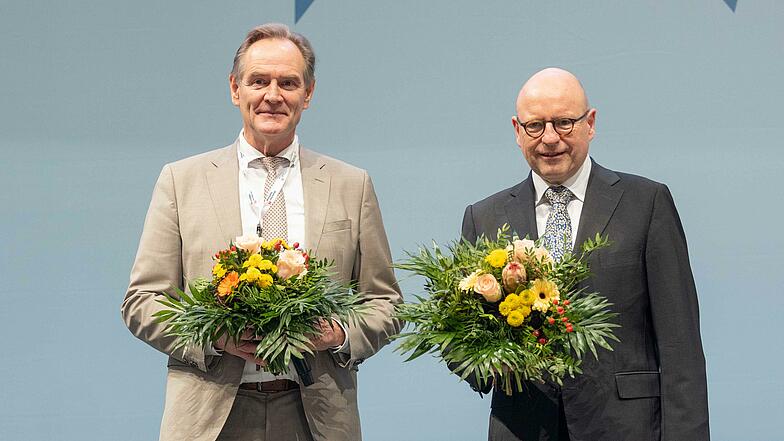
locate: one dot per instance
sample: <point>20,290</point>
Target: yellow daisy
<point>544,292</point>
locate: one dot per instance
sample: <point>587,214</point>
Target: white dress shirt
<point>577,184</point>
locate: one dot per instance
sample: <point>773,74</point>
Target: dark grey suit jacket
<point>653,385</point>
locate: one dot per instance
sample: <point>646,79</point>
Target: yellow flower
<point>515,318</point>
<point>265,265</point>
<point>254,260</point>
<point>527,297</point>
<point>253,274</point>
<point>267,245</point>
<point>513,300</point>
<point>504,308</point>
<point>526,311</point>
<point>497,258</point>
<point>218,270</point>
<point>274,269</point>
<point>265,280</point>
<point>544,292</point>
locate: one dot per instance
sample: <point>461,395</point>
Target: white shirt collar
<point>577,183</point>
<point>247,153</point>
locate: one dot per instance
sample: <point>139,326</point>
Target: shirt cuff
<point>343,346</point>
<point>209,349</point>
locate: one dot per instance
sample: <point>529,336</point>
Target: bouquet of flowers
<point>504,309</point>
<point>269,287</point>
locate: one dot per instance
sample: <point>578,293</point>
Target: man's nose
<point>550,136</point>
<point>273,93</point>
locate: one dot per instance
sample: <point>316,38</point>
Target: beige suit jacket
<point>195,212</point>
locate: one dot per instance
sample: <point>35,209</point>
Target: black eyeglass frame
<point>573,121</point>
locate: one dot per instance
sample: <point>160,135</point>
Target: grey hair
<point>278,31</point>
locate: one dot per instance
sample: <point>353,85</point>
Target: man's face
<point>271,93</point>
<point>553,156</point>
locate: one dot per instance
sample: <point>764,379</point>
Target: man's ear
<point>591,120</point>
<point>234,90</point>
<point>309,94</point>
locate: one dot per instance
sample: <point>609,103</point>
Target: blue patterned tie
<point>557,237</point>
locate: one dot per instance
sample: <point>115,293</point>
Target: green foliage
<point>468,333</point>
<point>283,315</point>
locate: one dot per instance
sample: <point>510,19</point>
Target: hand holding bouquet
<point>267,289</point>
<point>503,309</point>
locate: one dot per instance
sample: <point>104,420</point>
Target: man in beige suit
<point>201,203</point>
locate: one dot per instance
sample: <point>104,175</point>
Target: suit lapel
<point>315,189</point>
<point>223,182</point>
<point>601,199</point>
<point>519,209</point>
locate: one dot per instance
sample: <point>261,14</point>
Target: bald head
<point>552,84</point>
<point>554,124</point>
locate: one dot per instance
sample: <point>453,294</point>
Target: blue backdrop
<point>97,96</point>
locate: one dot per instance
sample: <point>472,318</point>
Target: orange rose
<point>228,284</point>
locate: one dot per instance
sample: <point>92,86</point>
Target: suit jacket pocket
<point>344,224</point>
<point>620,258</point>
<point>639,384</point>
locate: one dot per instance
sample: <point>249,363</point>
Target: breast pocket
<point>339,225</point>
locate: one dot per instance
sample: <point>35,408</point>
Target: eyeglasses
<point>563,126</point>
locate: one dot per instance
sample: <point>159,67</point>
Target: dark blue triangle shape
<point>732,4</point>
<point>300,6</point>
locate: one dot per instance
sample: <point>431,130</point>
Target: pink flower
<point>248,242</point>
<point>488,287</point>
<point>290,263</point>
<point>522,248</point>
<point>513,275</point>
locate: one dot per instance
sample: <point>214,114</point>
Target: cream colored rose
<point>248,242</point>
<point>522,248</point>
<point>290,263</point>
<point>488,287</point>
<point>543,255</point>
<point>513,275</point>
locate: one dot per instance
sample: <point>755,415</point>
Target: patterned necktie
<point>274,223</point>
<point>557,237</point>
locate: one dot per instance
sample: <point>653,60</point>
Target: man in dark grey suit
<point>652,386</point>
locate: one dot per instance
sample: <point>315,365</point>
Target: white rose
<point>248,242</point>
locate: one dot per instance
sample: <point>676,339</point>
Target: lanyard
<point>261,209</point>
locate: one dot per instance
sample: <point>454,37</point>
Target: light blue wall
<point>96,96</point>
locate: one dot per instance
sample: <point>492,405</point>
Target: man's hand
<point>330,335</point>
<point>245,348</point>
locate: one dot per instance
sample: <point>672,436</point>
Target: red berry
<point>566,302</point>
<point>536,333</point>
<point>295,245</point>
<point>564,319</point>
<point>542,341</point>
<point>551,320</point>
<point>555,301</point>
<point>569,329</point>
<point>560,310</point>
<point>233,248</point>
